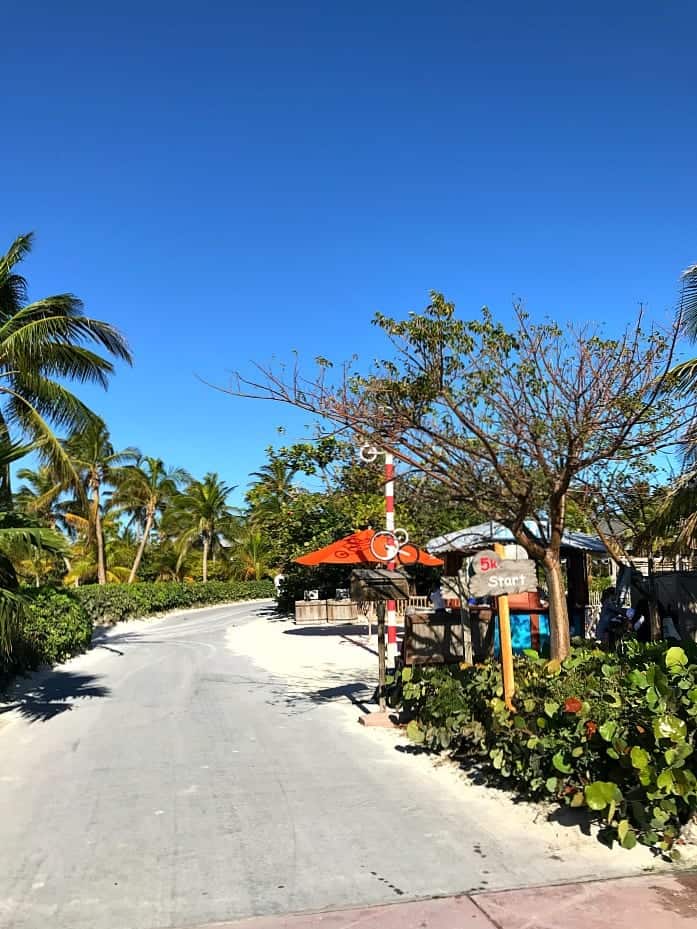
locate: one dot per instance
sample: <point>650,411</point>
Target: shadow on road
<point>340,629</point>
<point>300,694</point>
<point>57,692</point>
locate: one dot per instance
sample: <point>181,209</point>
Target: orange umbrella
<point>355,549</point>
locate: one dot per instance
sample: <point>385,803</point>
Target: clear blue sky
<point>229,181</point>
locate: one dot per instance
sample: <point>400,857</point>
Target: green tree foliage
<point>39,496</point>
<point>95,464</point>
<point>613,735</point>
<point>144,490</point>
<point>686,373</point>
<point>53,627</point>
<point>272,489</point>
<point>507,420</point>
<point>115,603</point>
<point>45,345</point>
<point>252,552</point>
<point>200,515</point>
<point>351,498</point>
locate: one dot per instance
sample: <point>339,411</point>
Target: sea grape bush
<point>615,736</point>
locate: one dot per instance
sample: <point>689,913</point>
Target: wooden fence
<point>368,609</point>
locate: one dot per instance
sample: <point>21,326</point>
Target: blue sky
<point>227,182</point>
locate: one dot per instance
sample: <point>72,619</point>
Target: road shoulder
<point>667,901</point>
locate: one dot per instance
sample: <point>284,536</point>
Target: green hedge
<point>59,623</point>
<point>54,627</point>
<point>115,602</point>
<point>614,736</point>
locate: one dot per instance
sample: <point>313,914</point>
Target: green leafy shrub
<point>54,627</point>
<point>599,584</point>
<point>614,736</point>
<point>112,603</point>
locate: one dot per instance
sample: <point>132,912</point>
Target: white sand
<point>318,661</point>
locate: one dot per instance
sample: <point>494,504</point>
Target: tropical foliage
<point>199,516</point>
<point>613,736</point>
<point>515,417</point>
<point>43,345</point>
<point>114,603</point>
<point>89,511</point>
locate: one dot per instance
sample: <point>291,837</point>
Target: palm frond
<point>677,514</point>
<point>17,252</point>
<point>684,376</point>
<point>17,529</point>
<point>58,319</point>
<point>11,452</point>
<point>53,401</point>
<point>13,608</point>
<point>76,521</point>
<point>50,446</point>
<point>688,301</point>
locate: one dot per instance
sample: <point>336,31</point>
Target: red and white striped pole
<point>389,525</point>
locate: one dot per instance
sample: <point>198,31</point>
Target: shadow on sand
<point>349,632</point>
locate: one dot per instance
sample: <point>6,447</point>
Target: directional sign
<point>503,576</point>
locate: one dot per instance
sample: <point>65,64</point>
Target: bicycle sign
<point>387,545</point>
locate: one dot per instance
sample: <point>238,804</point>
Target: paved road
<point>164,781</point>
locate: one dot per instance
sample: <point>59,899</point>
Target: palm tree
<point>39,496</point>
<point>686,373</point>
<point>252,553</point>
<point>144,490</point>
<point>271,491</point>
<point>95,462</point>
<point>42,345</point>
<point>201,514</point>
<point>677,513</point>
<point>119,549</point>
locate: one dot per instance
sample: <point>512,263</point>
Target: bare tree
<point>511,420</point>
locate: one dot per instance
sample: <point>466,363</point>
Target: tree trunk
<point>206,544</point>
<point>141,548</point>
<point>101,562</point>
<point>559,637</point>
<point>6,502</point>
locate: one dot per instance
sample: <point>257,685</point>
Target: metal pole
<point>389,525</point>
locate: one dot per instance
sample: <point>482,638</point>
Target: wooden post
<point>506,642</point>
<point>654,616</point>
<point>381,655</point>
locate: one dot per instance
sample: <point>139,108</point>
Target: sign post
<point>496,576</point>
<point>384,586</point>
<point>506,644</point>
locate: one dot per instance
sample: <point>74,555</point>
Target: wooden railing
<point>368,609</point>
<point>667,564</point>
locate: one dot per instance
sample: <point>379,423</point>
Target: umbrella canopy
<point>355,549</point>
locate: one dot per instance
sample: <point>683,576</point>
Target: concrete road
<point>164,781</point>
